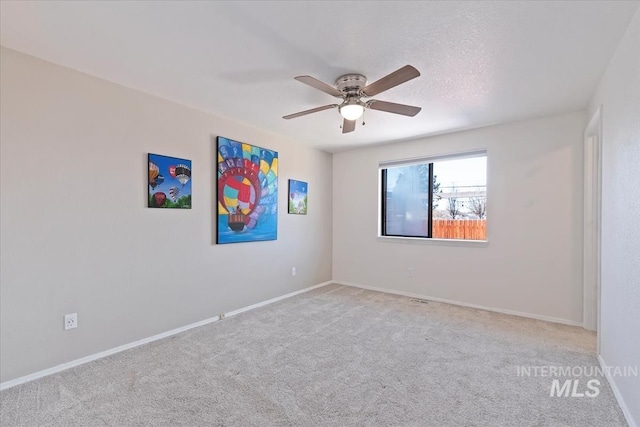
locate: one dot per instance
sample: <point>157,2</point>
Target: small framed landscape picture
<point>298,197</point>
<point>169,182</point>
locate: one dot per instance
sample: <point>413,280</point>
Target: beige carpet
<point>336,356</point>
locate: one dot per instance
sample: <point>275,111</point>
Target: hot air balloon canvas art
<point>169,182</point>
<point>247,192</point>
<point>298,197</point>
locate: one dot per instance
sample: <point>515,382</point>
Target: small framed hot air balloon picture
<point>247,196</point>
<point>298,197</point>
<point>169,182</point>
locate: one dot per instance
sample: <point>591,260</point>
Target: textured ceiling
<point>481,62</point>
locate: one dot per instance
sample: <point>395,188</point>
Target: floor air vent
<point>421,301</point>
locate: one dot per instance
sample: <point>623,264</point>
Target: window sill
<point>437,242</point>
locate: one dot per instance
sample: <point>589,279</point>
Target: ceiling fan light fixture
<point>352,109</point>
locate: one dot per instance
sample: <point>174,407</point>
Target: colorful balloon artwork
<point>173,192</point>
<point>298,197</point>
<point>169,182</point>
<point>153,174</point>
<point>159,199</point>
<point>247,192</point>
<point>183,173</point>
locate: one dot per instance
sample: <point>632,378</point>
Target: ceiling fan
<point>352,88</point>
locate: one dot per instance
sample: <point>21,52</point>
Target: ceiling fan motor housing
<point>351,84</point>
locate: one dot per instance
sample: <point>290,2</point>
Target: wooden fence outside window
<point>469,229</point>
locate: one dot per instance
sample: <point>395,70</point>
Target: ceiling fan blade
<point>390,107</point>
<point>317,84</point>
<point>348,126</point>
<point>400,76</point>
<point>313,110</point>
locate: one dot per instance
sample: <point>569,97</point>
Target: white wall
<point>533,261</point>
<point>77,236</point>
<point>619,95</point>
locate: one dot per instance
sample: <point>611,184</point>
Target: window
<point>442,198</point>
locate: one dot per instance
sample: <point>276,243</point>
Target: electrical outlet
<point>222,316</point>
<point>410,272</point>
<point>70,321</point>
<point>293,271</point>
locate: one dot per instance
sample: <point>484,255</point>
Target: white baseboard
<point>64,366</point>
<point>272,300</point>
<point>462,304</point>
<point>616,393</point>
